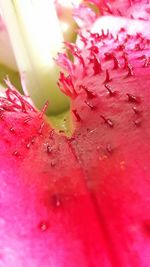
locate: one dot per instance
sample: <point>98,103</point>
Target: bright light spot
<point>40,28</point>
<point>36,38</point>
<point>65,26</point>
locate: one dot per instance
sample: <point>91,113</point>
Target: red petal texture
<point>45,207</point>
<point>82,201</point>
<point>110,92</point>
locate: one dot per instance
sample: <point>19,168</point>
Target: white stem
<point>36,38</point>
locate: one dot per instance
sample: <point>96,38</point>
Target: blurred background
<point>8,65</point>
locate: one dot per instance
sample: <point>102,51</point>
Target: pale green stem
<point>36,38</point>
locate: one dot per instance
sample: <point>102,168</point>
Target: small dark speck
<point>56,200</point>
<point>49,149</point>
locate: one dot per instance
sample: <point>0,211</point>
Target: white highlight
<point>36,38</point>
<point>34,30</point>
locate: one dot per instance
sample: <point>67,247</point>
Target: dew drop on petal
<point>43,226</point>
<point>12,130</point>
<point>16,153</point>
<point>56,200</point>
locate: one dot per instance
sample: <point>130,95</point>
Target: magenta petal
<point>112,138</point>
<point>47,217</point>
<point>81,201</point>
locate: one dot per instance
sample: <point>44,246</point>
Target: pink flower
<point>83,200</point>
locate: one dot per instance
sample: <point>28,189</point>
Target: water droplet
<point>136,111</point>
<point>16,153</point>
<point>12,130</point>
<point>33,140</point>
<point>109,148</point>
<point>110,123</point>
<point>56,200</point>
<point>122,165</point>
<point>138,122</point>
<point>43,226</point>
<point>28,145</point>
